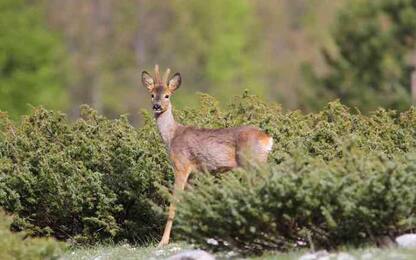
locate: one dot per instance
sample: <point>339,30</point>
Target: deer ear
<point>147,81</point>
<point>175,82</point>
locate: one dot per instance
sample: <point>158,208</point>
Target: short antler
<point>157,73</point>
<point>166,76</point>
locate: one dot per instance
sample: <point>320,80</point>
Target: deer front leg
<point>180,180</point>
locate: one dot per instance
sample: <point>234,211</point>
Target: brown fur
<point>199,149</point>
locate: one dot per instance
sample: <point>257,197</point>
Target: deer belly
<point>219,159</point>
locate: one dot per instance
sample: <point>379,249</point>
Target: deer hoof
<point>163,243</point>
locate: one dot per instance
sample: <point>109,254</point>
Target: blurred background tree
<point>214,45</point>
<point>375,56</point>
<point>32,60</point>
<point>273,48</point>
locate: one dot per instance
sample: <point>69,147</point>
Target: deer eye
<point>153,95</point>
<point>166,96</point>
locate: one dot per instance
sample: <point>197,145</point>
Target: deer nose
<point>156,107</point>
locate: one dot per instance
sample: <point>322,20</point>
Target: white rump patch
<point>269,145</point>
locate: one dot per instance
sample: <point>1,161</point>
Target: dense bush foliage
<point>20,247</point>
<point>355,200</point>
<point>334,177</point>
<point>91,179</point>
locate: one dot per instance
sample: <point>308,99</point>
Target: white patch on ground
<point>212,241</point>
<point>324,255</point>
<point>315,256</point>
<point>345,256</point>
<point>367,256</point>
<point>406,241</point>
<point>192,255</point>
<point>301,243</point>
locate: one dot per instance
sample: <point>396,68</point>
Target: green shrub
<point>19,246</point>
<point>93,179</point>
<point>335,178</point>
<point>303,203</point>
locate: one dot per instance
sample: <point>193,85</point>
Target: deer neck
<point>166,125</point>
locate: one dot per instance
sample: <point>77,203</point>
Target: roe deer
<point>197,149</point>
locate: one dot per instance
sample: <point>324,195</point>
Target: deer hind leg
<point>181,177</point>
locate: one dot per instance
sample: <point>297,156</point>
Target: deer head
<point>161,89</point>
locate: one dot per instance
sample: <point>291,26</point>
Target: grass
<point>127,252</point>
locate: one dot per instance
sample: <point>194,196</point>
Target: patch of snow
<point>406,241</point>
<point>367,256</point>
<point>301,243</point>
<point>315,256</point>
<point>212,241</point>
<point>192,255</point>
<point>327,257</point>
<point>345,256</point>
